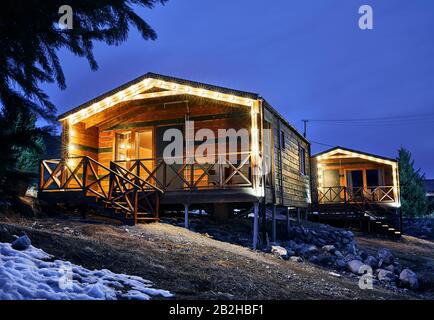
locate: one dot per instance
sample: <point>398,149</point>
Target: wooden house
<point>113,151</point>
<point>350,184</point>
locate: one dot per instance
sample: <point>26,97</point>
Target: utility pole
<point>305,127</point>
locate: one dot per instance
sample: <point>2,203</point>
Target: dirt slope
<point>191,265</point>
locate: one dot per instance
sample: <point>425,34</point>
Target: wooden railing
<point>191,174</point>
<point>114,186</point>
<point>342,194</point>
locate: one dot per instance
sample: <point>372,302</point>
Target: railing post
<point>345,195</point>
<point>41,175</point>
<point>85,164</point>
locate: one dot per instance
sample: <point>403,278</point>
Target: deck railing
<point>342,194</point>
<point>85,173</point>
<point>109,185</point>
<point>228,171</point>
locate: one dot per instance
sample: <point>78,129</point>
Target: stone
<point>408,279</point>
<point>290,253</point>
<point>385,275</point>
<point>329,248</point>
<point>390,268</point>
<point>313,259</point>
<point>279,251</point>
<point>385,255</point>
<point>22,243</point>
<point>295,259</point>
<point>326,259</point>
<point>339,254</point>
<point>371,261</point>
<point>357,266</point>
<point>308,250</point>
<point>340,263</point>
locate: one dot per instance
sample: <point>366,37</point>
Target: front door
<point>355,184</point>
<point>172,179</point>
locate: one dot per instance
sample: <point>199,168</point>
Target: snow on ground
<point>31,274</point>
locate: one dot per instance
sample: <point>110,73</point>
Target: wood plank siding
<point>292,187</point>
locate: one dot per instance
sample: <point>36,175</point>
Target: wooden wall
<point>84,141</point>
<point>292,188</point>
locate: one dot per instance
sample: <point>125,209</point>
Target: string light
<point>133,93</point>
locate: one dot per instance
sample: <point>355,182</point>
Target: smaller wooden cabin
<point>114,150</point>
<point>356,184</point>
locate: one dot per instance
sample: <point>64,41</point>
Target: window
<point>282,140</point>
<point>302,159</point>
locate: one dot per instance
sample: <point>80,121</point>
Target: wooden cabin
<point>355,184</point>
<point>114,146</point>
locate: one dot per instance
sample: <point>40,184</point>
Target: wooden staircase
<point>365,216</point>
<point>115,189</point>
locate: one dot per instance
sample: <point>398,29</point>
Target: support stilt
<point>288,223</point>
<point>255,224</point>
<point>273,226</point>
<point>186,216</point>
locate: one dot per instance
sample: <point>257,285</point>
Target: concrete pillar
<point>255,224</point>
<point>273,225</point>
<point>186,216</point>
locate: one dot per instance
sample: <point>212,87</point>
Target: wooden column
<point>186,215</point>
<point>273,227</point>
<point>255,224</point>
<point>288,223</point>
<point>298,215</point>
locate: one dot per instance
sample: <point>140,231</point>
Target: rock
<point>22,243</point>
<point>408,279</point>
<point>385,275</point>
<point>279,252</point>
<point>308,250</point>
<point>357,266</point>
<point>390,268</point>
<point>351,248</point>
<point>296,259</point>
<point>385,255</point>
<point>326,259</point>
<point>371,261</point>
<point>329,248</point>
<point>362,254</point>
<point>313,259</point>
<point>339,254</point>
<point>290,253</point>
<point>350,257</point>
<point>340,263</point>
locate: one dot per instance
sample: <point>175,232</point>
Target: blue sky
<point>308,58</point>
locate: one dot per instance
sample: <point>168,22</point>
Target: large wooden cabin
<point>113,151</point>
<point>350,184</point>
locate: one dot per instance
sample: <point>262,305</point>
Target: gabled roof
<point>181,82</point>
<point>156,76</point>
<point>347,150</point>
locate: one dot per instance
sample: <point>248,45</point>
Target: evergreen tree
<point>30,39</point>
<point>413,199</point>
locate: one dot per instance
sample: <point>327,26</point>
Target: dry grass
<point>191,265</point>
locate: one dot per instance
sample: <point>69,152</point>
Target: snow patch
<point>29,274</point>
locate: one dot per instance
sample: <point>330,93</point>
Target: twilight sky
<point>308,58</point>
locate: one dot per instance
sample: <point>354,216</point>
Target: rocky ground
<point>195,265</point>
<point>419,227</point>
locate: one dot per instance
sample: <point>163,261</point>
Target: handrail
<point>136,177</point>
<point>344,194</point>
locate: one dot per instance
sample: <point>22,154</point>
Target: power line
<point>322,144</point>
<point>375,119</point>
